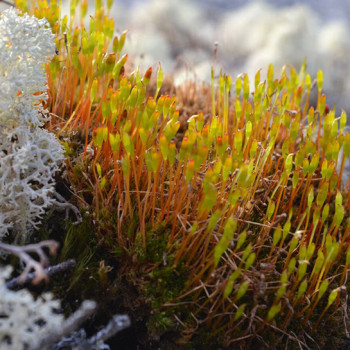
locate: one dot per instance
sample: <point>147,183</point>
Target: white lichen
<point>23,319</point>
<point>29,154</point>
<point>26,44</point>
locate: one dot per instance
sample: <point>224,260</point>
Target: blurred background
<point>249,35</point>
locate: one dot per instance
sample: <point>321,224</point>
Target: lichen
<point>29,155</point>
<point>23,319</point>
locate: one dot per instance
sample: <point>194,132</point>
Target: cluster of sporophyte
<point>252,197</point>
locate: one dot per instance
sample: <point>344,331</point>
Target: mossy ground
<point>176,211</point>
<point>136,283</point>
<point>141,282</point>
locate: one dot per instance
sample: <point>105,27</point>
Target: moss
<point>160,322</point>
<point>156,244</point>
<point>207,179</point>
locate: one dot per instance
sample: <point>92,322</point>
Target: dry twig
<point>15,283</point>
<point>68,326</point>
<point>117,324</point>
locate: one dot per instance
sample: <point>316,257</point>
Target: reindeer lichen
<point>29,154</point>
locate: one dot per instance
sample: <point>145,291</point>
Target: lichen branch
<point>15,284</point>
<point>23,253</point>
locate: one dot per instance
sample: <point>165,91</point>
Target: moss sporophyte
<point>240,213</point>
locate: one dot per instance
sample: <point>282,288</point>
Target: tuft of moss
<point>227,226</point>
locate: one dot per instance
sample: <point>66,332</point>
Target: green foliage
<point>243,218</point>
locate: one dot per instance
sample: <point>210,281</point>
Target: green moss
<point>160,323</point>
<point>237,165</point>
<point>81,244</point>
<point>156,243</point>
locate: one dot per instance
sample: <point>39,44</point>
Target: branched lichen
<point>23,319</point>
<point>29,155</point>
